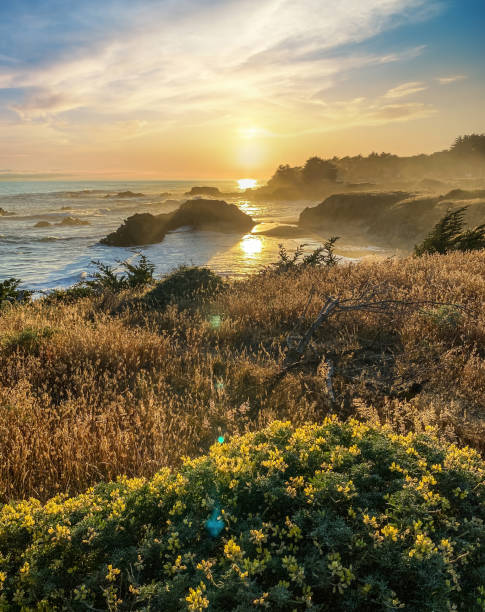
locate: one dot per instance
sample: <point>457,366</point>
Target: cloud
<point>405,89</point>
<point>450,79</point>
<point>206,58</point>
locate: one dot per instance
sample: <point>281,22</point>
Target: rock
<point>284,231</point>
<point>165,194</point>
<point>464,194</point>
<point>125,194</point>
<point>73,221</point>
<point>5,213</point>
<point>395,219</point>
<point>42,224</point>
<point>199,214</point>
<point>208,191</point>
<point>349,208</point>
<point>141,228</point>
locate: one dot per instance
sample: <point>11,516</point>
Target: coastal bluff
<point>200,214</point>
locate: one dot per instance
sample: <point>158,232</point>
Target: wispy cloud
<point>405,89</point>
<point>207,58</point>
<point>450,79</point>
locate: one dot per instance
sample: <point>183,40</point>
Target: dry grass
<point>86,395</point>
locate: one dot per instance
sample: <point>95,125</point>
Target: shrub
<point>70,295</point>
<point>185,285</point>
<point>10,292</point>
<point>321,256</point>
<point>324,517</point>
<point>449,235</point>
<point>28,340</point>
<point>109,278</point>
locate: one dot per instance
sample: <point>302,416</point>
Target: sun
<point>247,183</point>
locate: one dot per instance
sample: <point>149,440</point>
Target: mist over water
<point>60,255</point>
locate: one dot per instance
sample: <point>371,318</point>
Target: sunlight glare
<point>251,245</point>
<point>247,183</point>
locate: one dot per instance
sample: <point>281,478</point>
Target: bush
<point>10,292</point>
<point>321,256</point>
<point>29,340</point>
<point>449,235</point>
<point>185,285</point>
<point>70,295</point>
<point>323,517</point>
<point>109,278</point>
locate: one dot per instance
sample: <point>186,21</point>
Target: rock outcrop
<point>208,191</point>
<point>73,221</point>
<point>125,194</point>
<point>146,228</point>
<point>5,213</point>
<point>396,218</point>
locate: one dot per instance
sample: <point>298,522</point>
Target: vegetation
<point>320,177</point>
<point>126,393</point>
<point>449,235</point>
<point>186,286</point>
<point>321,256</point>
<point>134,276</point>
<point>10,292</point>
<point>308,177</point>
<point>322,517</point>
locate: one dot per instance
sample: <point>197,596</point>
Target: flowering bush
<point>338,516</point>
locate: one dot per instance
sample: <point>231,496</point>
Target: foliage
<point>70,295</point>
<point>28,340</point>
<point>185,285</point>
<point>321,256</point>
<point>337,516</point>
<point>313,172</point>
<point>139,275</point>
<point>135,276</point>
<point>448,235</point>
<point>131,392</point>
<point>469,144</point>
<point>317,169</point>
<point>446,316</point>
<point>10,292</point>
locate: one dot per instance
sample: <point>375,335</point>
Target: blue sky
<point>218,87</point>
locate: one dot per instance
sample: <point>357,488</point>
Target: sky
<point>231,88</point>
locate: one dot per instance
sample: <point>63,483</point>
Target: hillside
<point>110,385</point>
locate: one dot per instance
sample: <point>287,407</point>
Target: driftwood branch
<point>366,301</point>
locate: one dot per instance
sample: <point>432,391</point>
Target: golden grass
<point>86,395</point>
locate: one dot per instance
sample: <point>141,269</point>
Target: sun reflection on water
<point>251,246</point>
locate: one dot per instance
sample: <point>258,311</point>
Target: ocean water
<point>61,255</point>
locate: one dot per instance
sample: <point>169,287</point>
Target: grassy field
<point>96,389</point>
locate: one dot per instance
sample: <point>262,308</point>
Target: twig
<point>325,367</point>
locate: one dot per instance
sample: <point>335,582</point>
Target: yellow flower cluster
<point>196,600</point>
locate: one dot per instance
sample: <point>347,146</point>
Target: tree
<point>285,176</point>
<point>470,144</point>
<point>448,235</point>
<point>317,169</point>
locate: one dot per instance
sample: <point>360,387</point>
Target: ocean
<point>60,255</point>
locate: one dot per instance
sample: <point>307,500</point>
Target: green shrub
<point>29,340</point>
<point>109,278</point>
<point>331,517</point>
<point>10,292</point>
<point>446,316</point>
<point>321,256</point>
<point>185,285</point>
<point>70,295</point>
<point>449,235</point>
